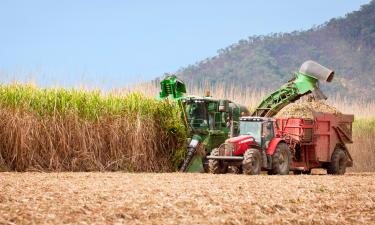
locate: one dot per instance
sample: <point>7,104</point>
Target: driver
<point>196,118</point>
<point>267,134</point>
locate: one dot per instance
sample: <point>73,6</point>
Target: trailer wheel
<point>281,160</point>
<point>251,164</point>
<point>216,166</point>
<point>338,162</point>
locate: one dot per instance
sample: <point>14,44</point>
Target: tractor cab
<point>261,129</point>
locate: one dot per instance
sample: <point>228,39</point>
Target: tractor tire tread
<point>247,165</point>
<point>216,166</point>
<point>275,160</point>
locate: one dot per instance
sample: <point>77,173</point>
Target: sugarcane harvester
<point>209,121</point>
<point>279,145</point>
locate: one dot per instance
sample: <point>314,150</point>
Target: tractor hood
<point>241,143</point>
<point>242,138</point>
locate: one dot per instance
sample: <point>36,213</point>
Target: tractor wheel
<point>251,164</point>
<point>281,160</point>
<point>338,162</point>
<point>299,172</point>
<point>216,166</point>
<point>205,164</point>
<point>234,170</point>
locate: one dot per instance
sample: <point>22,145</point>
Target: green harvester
<point>209,122</point>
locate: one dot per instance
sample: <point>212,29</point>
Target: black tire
<point>281,160</point>
<point>299,172</point>
<point>251,164</point>
<point>234,170</point>
<point>339,160</point>
<point>216,166</point>
<point>205,164</point>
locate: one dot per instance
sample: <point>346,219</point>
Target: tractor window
<point>268,131</point>
<point>253,128</point>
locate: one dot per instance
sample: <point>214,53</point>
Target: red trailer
<point>315,143</point>
<point>287,144</point>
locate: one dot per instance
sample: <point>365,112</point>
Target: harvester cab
<point>209,122</point>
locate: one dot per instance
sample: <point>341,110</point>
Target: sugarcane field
<point>278,128</point>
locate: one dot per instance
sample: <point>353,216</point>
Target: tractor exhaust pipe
<point>318,71</point>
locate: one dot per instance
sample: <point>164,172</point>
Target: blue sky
<point>115,43</point>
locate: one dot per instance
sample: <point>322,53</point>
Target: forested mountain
<point>346,45</point>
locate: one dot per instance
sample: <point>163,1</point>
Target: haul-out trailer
<point>290,144</point>
<point>320,142</point>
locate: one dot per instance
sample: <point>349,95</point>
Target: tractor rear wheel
<point>338,163</point>
<point>281,160</point>
<point>216,166</point>
<point>251,164</point>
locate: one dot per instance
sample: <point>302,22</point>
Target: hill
<point>346,45</point>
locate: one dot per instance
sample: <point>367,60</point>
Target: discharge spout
<point>316,70</point>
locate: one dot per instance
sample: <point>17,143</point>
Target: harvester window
<point>197,114</point>
<point>216,121</point>
<point>211,119</point>
<point>212,107</point>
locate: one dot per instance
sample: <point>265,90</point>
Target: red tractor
<point>282,145</point>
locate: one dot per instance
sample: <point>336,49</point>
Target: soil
<point>174,198</point>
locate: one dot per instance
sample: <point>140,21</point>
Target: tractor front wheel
<point>338,163</point>
<point>281,160</point>
<point>216,166</point>
<point>251,164</point>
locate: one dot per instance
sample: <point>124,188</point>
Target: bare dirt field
<point>108,198</point>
